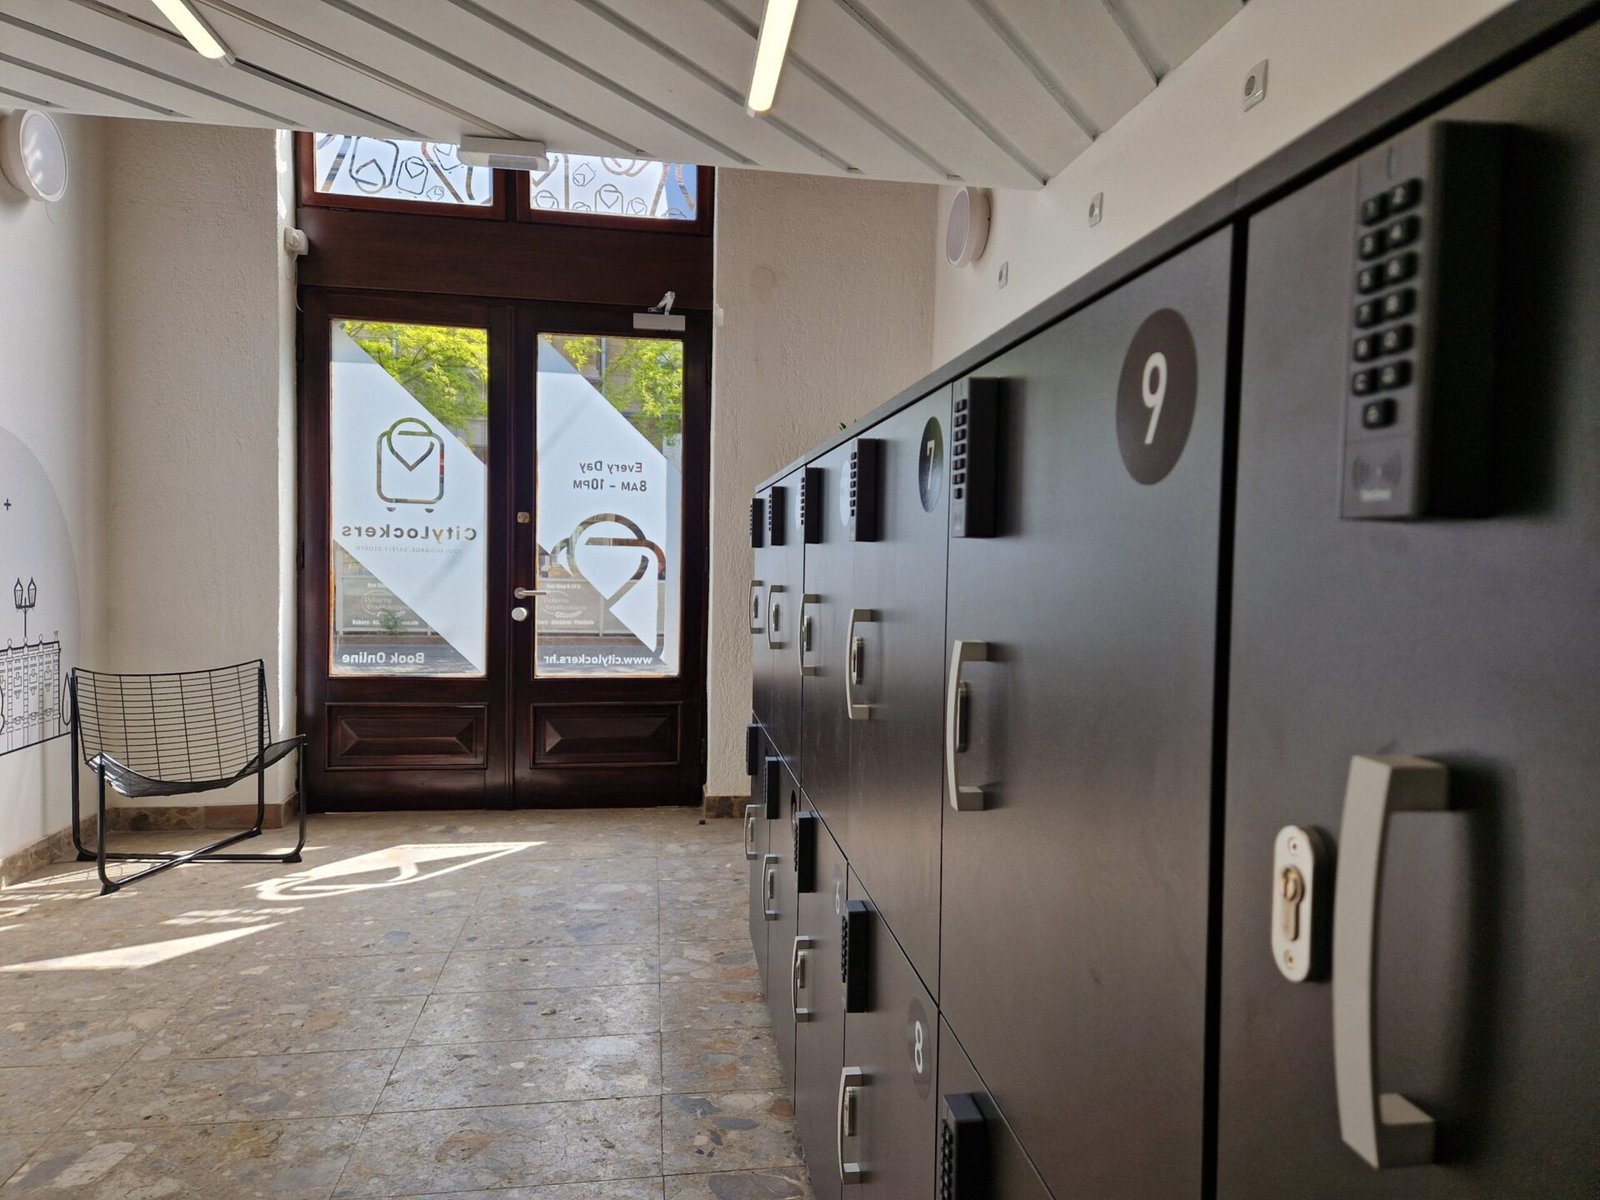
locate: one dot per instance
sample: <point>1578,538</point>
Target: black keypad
<point>1375,208</point>
<point>1362,383</point>
<point>1399,304</point>
<point>1365,348</point>
<point>1403,195</point>
<point>1377,414</point>
<point>1367,314</point>
<point>1396,339</point>
<point>1370,245</point>
<point>1394,375</point>
<point>1401,233</point>
<point>1400,268</point>
<point>1369,279</point>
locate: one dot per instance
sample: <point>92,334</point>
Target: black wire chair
<point>175,735</point>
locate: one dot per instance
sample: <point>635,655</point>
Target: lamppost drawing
<point>25,599</point>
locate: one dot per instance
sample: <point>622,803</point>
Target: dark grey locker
<point>894,633</point>
<point>825,729</point>
<point>817,1006</point>
<point>763,564</point>
<point>758,837</point>
<point>979,1158</point>
<point>1082,651</point>
<point>786,578</point>
<point>780,921</point>
<point>885,1101</point>
<point>1473,644</point>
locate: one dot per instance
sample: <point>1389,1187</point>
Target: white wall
<point>1183,141</point>
<point>51,320</point>
<point>826,290</point>
<point>199,412</point>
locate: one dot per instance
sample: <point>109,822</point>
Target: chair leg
<point>299,803</point>
<point>107,884</point>
<point>261,804</point>
<point>77,818</point>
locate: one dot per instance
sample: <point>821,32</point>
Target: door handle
<point>808,627</point>
<point>775,616</point>
<point>750,811</point>
<point>797,975</point>
<point>756,625</point>
<point>851,1080</point>
<point>963,799</point>
<point>523,593</point>
<point>855,671</point>
<point>770,909</point>
<point>1386,1130</point>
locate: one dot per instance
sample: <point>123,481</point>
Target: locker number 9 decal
<point>1155,396</point>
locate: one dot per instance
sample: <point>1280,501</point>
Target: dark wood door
<point>420,439</point>
<point>1472,643</point>
<point>1076,886</point>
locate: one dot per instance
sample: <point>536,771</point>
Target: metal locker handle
<point>963,799</point>
<point>797,975</point>
<point>756,625</point>
<point>855,670</point>
<point>775,615</point>
<point>808,625</point>
<point>750,811</point>
<point>770,909</point>
<point>1386,1130</point>
<point>851,1081</point>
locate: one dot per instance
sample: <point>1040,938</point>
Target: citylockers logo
<point>407,451</point>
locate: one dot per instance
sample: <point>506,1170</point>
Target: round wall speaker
<point>33,155</point>
<point>966,230</point>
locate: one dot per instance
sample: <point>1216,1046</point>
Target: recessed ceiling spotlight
<point>771,47</point>
<point>196,30</point>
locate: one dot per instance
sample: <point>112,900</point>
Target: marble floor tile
<point>100,984</point>
<point>15,1148</point>
<point>611,1189</point>
<point>514,871</point>
<point>548,966</point>
<point>326,980</point>
<point>730,1131</point>
<point>102,1038</point>
<point>719,1060</point>
<point>561,923</point>
<point>40,1099</point>
<point>444,1150</point>
<point>477,1074</point>
<point>542,1013</point>
<point>317,936</point>
<point>264,1026</point>
<point>783,1183</point>
<point>272,1160</point>
<point>724,1004</point>
<point>709,962</point>
<point>539,898</point>
<point>269,1087</point>
<point>711,922</point>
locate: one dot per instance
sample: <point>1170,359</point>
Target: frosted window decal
<point>617,187</point>
<point>348,164</point>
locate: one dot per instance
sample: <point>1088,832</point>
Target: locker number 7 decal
<point>1155,396</point>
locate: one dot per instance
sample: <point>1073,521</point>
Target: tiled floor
<point>517,1006</point>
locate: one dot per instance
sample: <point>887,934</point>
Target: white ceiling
<point>997,92</point>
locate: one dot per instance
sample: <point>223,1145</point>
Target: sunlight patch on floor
<point>403,864</point>
<point>133,957</point>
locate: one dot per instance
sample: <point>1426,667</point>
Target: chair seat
<point>136,786</point>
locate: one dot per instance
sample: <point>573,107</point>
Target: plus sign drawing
<point>38,601</point>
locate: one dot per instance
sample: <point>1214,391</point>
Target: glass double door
<point>503,512</point>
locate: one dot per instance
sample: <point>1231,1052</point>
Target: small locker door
<point>784,568</point>
<point>1465,986</point>
<point>780,919</point>
<point>894,645</point>
<point>759,823</point>
<point>1079,732</point>
<point>885,1102</point>
<point>760,580</point>
<point>846,488</point>
<point>817,1001</point>
<point>979,1158</point>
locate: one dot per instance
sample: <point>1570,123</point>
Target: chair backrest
<point>190,726</point>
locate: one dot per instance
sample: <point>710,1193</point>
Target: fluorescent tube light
<point>771,46</point>
<point>186,19</point>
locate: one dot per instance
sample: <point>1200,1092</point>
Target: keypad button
<point>1394,375</point>
<point>961,404</point>
<point>1399,304</point>
<point>1368,279</point>
<point>1401,233</point>
<point>958,491</point>
<point>1400,268</point>
<point>1395,339</point>
<point>959,477</point>
<point>1375,208</point>
<point>1366,314</point>
<point>1365,347</point>
<point>961,419</point>
<point>1370,245</point>
<point>1377,414</point>
<point>1403,195</point>
<point>1361,383</point>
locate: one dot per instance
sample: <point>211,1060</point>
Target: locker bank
<point>1172,759</point>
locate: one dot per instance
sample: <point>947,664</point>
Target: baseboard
<point>56,847</point>
<point>723,806</point>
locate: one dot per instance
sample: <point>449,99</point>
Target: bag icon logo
<point>407,451</point>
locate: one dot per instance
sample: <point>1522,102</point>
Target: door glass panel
<point>409,444</point>
<point>610,505</point>
<point>349,164</point>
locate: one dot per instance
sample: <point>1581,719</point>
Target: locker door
<point>885,1098</point>
<point>826,729</point>
<point>1076,872</point>
<point>780,920</point>
<point>1474,644</point>
<point>762,556</point>
<point>758,839</point>
<point>818,1003</point>
<point>979,1157</point>
<point>783,639</point>
<point>896,596</point>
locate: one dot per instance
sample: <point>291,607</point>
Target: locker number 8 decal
<point>1155,396</point>
<point>919,1047</point>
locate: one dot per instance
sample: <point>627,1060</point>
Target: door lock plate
<point>1298,941</point>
